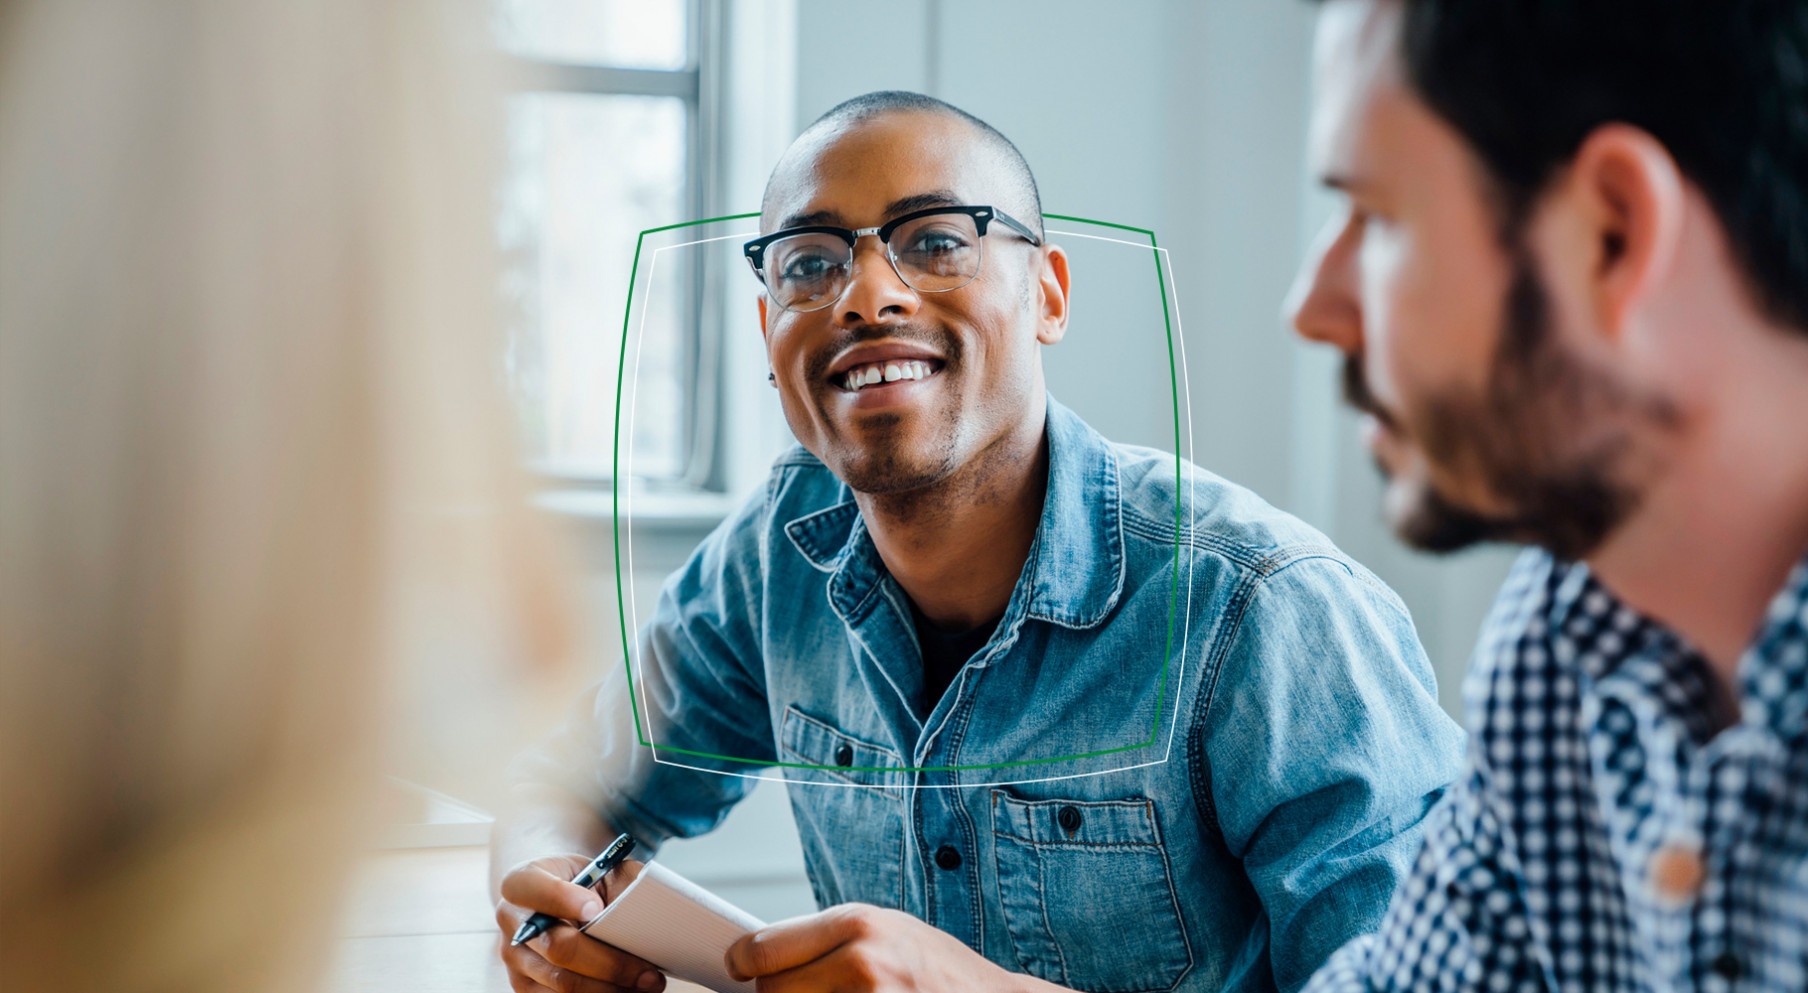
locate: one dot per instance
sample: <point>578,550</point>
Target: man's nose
<point>1323,304</point>
<point>874,294</point>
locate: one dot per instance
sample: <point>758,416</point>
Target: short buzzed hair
<point>867,106</point>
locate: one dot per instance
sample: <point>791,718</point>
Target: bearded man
<point>1571,286</point>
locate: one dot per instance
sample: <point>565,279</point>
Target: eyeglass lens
<point>931,254</point>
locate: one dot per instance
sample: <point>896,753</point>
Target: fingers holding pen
<point>545,885</point>
<point>568,960</point>
<point>563,958</point>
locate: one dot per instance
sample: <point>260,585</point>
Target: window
<point>608,139</point>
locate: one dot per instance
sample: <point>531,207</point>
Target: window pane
<point>634,34</point>
<point>573,202</point>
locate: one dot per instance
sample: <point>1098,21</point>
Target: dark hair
<point>870,105</point>
<point>1723,84</point>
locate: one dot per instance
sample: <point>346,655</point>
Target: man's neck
<point>959,547</point>
<point>1712,542</point>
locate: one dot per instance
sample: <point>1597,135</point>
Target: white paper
<point>677,925</point>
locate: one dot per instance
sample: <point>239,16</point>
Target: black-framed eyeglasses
<point>932,250</point>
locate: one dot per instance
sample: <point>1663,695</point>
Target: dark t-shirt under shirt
<point>944,652</point>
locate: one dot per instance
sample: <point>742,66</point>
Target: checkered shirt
<point>1604,837</point>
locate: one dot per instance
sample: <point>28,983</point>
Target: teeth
<point>886,372</point>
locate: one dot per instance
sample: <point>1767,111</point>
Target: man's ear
<point>1633,201</point>
<point>762,315</point>
<point>1052,287</point>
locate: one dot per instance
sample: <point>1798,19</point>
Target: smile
<point>872,374</point>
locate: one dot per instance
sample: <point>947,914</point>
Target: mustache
<point>1357,394</point>
<point>936,339</point>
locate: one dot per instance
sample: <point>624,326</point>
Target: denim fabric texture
<point>1113,795</point>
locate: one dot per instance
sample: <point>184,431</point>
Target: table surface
<point>421,920</point>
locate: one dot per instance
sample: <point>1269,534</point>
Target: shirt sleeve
<point>1457,925</point>
<point>1460,923</point>
<point>1325,750</point>
<point>670,741</point>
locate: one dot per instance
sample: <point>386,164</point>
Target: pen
<point>593,873</point>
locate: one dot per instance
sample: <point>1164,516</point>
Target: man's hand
<point>859,948</point>
<point>564,958</point>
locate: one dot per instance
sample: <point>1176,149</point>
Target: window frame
<point>698,84</point>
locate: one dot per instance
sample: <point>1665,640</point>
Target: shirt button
<point>844,756</point>
<point>1728,966</point>
<point>1676,873</point>
<point>947,857</point>
<point>1069,818</point>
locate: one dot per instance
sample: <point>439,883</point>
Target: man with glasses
<point>1571,288</point>
<point>1057,713</point>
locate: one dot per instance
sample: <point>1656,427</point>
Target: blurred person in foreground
<point>244,263</point>
<point>1056,712</point>
<point>1571,286</point>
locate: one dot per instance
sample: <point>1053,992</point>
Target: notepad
<point>677,925</point>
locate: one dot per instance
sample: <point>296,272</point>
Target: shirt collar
<point>1773,673</point>
<point>1075,570</point>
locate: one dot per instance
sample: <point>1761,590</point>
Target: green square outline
<point>615,521</point>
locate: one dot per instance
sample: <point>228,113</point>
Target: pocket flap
<point>1129,821</point>
<point>811,742</point>
<point>1070,874</point>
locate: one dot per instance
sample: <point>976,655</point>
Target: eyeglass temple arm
<point>1017,226</point>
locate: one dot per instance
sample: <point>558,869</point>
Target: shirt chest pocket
<point>847,796</point>
<point>1087,894</point>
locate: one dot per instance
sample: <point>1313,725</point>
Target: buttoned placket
<point>1693,841</point>
<point>946,838</point>
<point>1658,837</point>
<point>1733,778</point>
<point>946,844</point>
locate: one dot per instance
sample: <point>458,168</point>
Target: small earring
<point>772,378</point>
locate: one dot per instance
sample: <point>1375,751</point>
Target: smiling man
<point>1571,288</point>
<point>1056,713</point>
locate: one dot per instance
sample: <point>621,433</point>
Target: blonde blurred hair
<point>248,405</point>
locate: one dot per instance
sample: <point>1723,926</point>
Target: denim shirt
<point>1195,754</point>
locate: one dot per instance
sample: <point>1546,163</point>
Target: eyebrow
<point>903,205</point>
<point>1341,182</point>
<point>920,201</point>
<point>806,220</point>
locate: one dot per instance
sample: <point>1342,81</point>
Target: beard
<point>1549,437</point>
<point>894,467</point>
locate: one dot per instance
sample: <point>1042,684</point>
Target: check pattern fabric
<point>1609,834</point>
